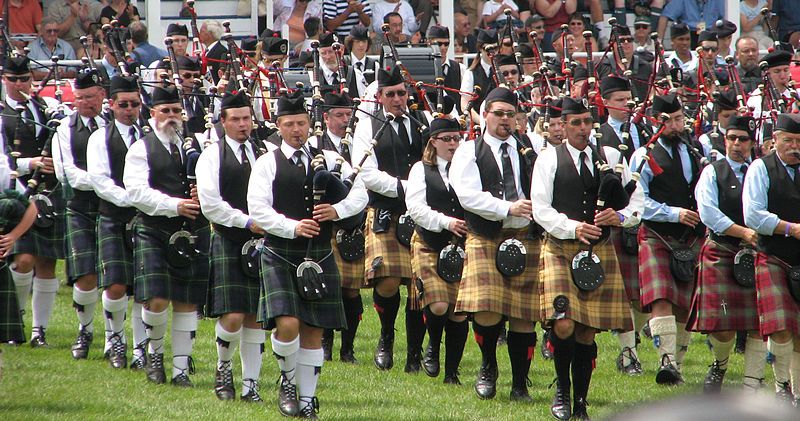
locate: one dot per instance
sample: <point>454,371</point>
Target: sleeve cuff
<point>242,221</point>
<point>502,209</point>
<point>172,209</point>
<point>570,226</point>
<point>674,215</point>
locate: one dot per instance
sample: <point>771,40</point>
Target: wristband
<point>248,224</point>
<point>788,228</point>
<point>621,218</point>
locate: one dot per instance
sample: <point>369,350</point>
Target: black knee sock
<point>435,325</point>
<point>387,308</point>
<point>415,328</point>
<point>454,344</point>
<point>486,337</point>
<point>582,366</point>
<point>353,308</point>
<point>520,352</point>
<point>563,352</point>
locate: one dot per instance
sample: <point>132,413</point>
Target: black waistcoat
<point>485,82</point>
<point>443,199</point>
<point>671,188</point>
<point>570,196</point>
<point>395,156</point>
<point>612,139</point>
<point>30,145</point>
<point>233,181</point>
<point>729,197</point>
<point>453,80</point>
<point>166,176</point>
<point>83,200</point>
<point>783,199</point>
<point>116,149</point>
<point>293,196</point>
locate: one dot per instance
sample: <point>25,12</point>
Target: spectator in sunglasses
<point>641,33</point>
<point>46,46</point>
<point>577,26</point>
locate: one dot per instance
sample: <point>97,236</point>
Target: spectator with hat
<point>641,33</point>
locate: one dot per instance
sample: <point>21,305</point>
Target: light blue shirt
<point>707,195</point>
<point>692,12</point>
<point>42,53</point>
<point>653,210</point>
<point>754,198</point>
<point>617,126</point>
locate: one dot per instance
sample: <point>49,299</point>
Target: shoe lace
<point>84,337</point>
<point>39,331</point>
<point>756,387</point>
<point>225,369</point>
<point>628,352</point>
<point>528,381</point>
<point>252,384</point>
<point>716,371</point>
<point>785,388</point>
<point>311,407</point>
<point>117,346</point>
<point>288,388</point>
<point>486,372</point>
<point>156,361</point>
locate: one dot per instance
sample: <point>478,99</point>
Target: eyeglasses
<point>126,104</point>
<point>51,31</point>
<point>576,23</point>
<point>625,40</point>
<point>641,26</point>
<point>537,28</point>
<point>507,73</point>
<point>391,94</point>
<point>710,49</point>
<point>578,121</point>
<point>443,43</point>
<point>448,139</point>
<point>13,79</point>
<point>501,113</point>
<point>176,110</point>
<point>734,138</point>
<point>190,75</point>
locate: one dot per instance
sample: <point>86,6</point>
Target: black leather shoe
<point>327,344</point>
<point>384,353</point>
<point>520,394</point>
<point>287,397</point>
<point>310,410</point>
<point>154,368</point>
<point>713,382</point>
<point>138,362</point>
<point>430,363</point>
<point>413,362</point>
<point>545,347</point>
<point>486,384</point>
<point>117,354</point>
<point>252,396</point>
<point>784,393</point>
<point>634,367</point>
<point>668,374</point>
<point>560,408</point>
<point>182,380</point>
<point>37,338</point>
<point>223,382</point>
<point>347,356</point>
<point>80,348</point>
<point>579,410</point>
<point>452,378</point>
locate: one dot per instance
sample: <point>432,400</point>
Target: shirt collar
<point>334,138</point>
<point>122,127</point>
<point>735,165</point>
<point>288,151</point>
<point>575,153</point>
<point>441,163</point>
<point>234,144</point>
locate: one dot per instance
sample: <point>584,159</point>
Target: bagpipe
<point>198,48</point>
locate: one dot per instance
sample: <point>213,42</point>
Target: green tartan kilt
<point>11,327</point>
<point>154,277</point>
<point>46,242</point>
<point>230,290</point>
<point>82,245</point>
<point>114,254</point>
<point>279,296</point>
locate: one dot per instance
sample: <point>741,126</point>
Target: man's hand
<point>325,212</point>
<point>45,163</point>
<point>419,16</point>
<point>188,208</point>
<point>750,237</point>
<point>193,194</point>
<point>587,232</point>
<point>689,217</point>
<point>307,228</point>
<point>458,227</point>
<point>6,243</point>
<point>607,217</point>
<point>255,228</point>
<point>521,208</point>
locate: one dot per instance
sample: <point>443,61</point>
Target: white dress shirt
<point>99,167</point>
<point>215,209</point>
<point>62,155</point>
<point>23,164</point>
<point>259,193</point>
<point>137,182</point>
<point>374,179</point>
<point>361,80</point>
<point>544,172</point>
<point>417,202</point>
<point>336,140</point>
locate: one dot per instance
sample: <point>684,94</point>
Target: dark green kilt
<point>230,290</point>
<point>46,242</point>
<point>11,328</point>
<point>154,277</point>
<point>82,244</point>
<point>114,254</point>
<point>279,296</point>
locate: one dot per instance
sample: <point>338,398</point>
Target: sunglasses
<point>710,49</point>
<point>18,78</point>
<point>507,73</point>
<point>190,75</point>
<point>443,43</point>
<point>579,121</point>
<point>176,110</point>
<point>625,40</point>
<point>576,24</point>
<point>501,113</point>
<point>641,26</point>
<point>391,94</point>
<point>51,31</point>
<point>734,138</point>
<point>507,44</point>
<point>126,104</point>
<point>448,139</point>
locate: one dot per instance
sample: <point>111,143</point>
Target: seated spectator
<point>577,25</point>
<point>94,39</point>
<point>48,44</point>
<point>555,13</point>
<point>293,13</point>
<point>121,11</point>
<point>787,17</point>
<point>752,22</point>
<point>642,28</point>
<point>464,38</point>
<point>494,13</point>
<point>533,23</point>
<point>74,18</point>
<point>694,14</point>
<point>341,16</point>
<point>396,34</point>
<point>143,51</point>
<point>409,21</point>
<point>24,16</point>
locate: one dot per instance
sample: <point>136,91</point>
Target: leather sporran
<point>250,257</point>
<point>587,272</point>
<point>350,244</point>
<point>793,279</point>
<point>682,264</point>
<point>511,257</point>
<point>46,214</point>
<point>450,264</point>
<point>630,240</point>
<point>405,229</point>
<point>181,249</point>
<point>744,268</point>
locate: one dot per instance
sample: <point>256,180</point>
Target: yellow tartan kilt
<point>423,263</point>
<point>350,273</point>
<point>396,257</point>
<point>605,308</point>
<point>483,288</point>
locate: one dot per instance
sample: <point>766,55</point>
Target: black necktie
<point>175,152</point>
<point>27,114</point>
<point>795,167</point>
<point>447,168</point>
<point>676,159</point>
<point>586,173</point>
<point>298,160</point>
<point>345,151</point>
<point>743,168</point>
<point>359,66</point>
<point>245,160</point>
<point>335,79</point>
<point>133,136</point>
<point>509,186</point>
<point>401,129</point>
<point>92,125</point>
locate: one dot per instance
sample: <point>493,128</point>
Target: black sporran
<point>587,272</point>
<point>450,264</point>
<point>405,229</point>
<point>350,244</point>
<point>310,281</point>
<point>630,240</point>
<point>250,257</point>
<point>181,249</point>
<point>45,215</point>
<point>381,220</point>
<point>744,267</point>
<point>793,279</point>
<point>682,264</point>
<point>511,257</point>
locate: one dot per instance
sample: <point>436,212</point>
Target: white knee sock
<point>44,296</point>
<point>184,326</point>
<point>226,343</point>
<point>682,340</point>
<point>156,328</point>
<point>628,340</point>
<point>783,359</point>
<point>721,350</point>
<point>137,326</point>
<point>664,331</point>
<point>755,353</point>
<point>309,367</point>
<point>85,303</point>
<point>286,352</point>
<point>22,283</point>
<point>115,315</point>
<point>251,347</point>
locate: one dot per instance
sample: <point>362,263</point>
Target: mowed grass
<point>48,384</point>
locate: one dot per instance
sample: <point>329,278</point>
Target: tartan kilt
<point>396,257</point>
<point>279,296</point>
<point>46,242</point>
<point>715,287</point>
<point>154,277</point>
<point>605,308</point>
<point>483,288</point>
<point>351,274</point>
<point>655,278</point>
<point>628,265</point>
<point>434,288</point>
<point>230,290</point>
<point>777,310</point>
<point>82,245</point>
<point>114,254</point>
<point>11,327</point>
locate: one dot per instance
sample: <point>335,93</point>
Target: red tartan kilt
<point>628,266</point>
<point>719,303</point>
<point>777,310</point>
<point>655,278</point>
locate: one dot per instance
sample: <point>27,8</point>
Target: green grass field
<point>48,384</point>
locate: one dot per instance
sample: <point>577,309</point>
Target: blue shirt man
<point>697,14</point>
